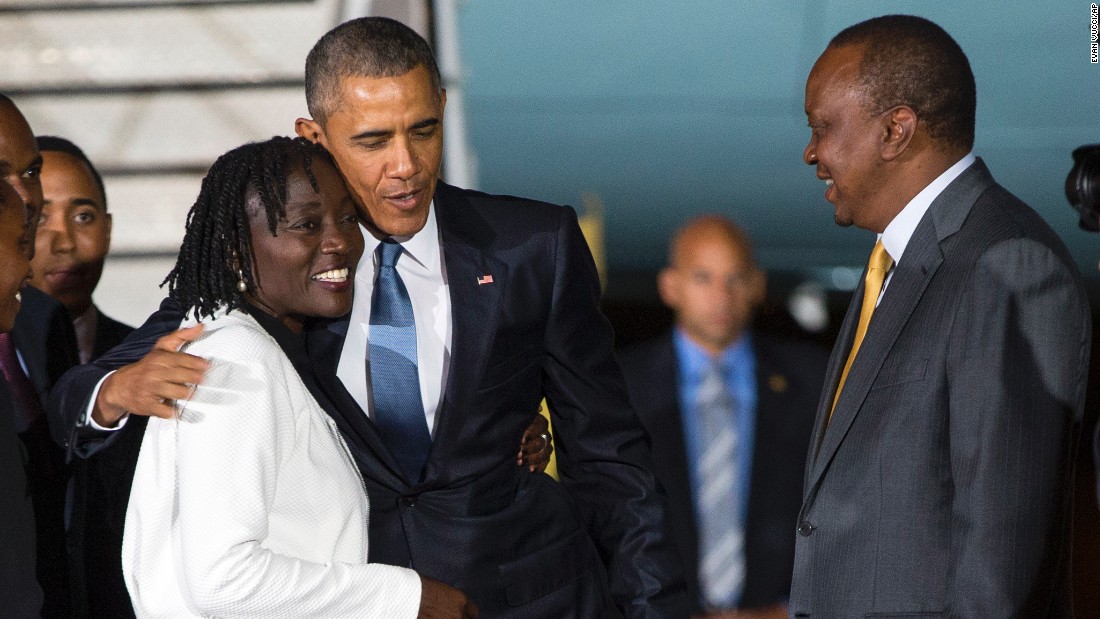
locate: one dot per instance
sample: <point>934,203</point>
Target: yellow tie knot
<point>879,263</point>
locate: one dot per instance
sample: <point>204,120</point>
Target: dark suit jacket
<point>518,544</point>
<point>43,335</point>
<point>100,493</point>
<point>19,589</point>
<point>70,398</point>
<point>943,483</point>
<point>108,334</point>
<point>789,376</point>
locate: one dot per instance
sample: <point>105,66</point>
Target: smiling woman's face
<point>307,268</point>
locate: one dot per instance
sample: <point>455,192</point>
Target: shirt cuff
<point>88,422</point>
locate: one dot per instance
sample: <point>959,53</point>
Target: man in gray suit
<point>939,481</point>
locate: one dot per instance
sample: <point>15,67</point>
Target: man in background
<point>729,412</point>
<point>74,235</point>
<point>72,241</point>
<point>39,349</point>
<point>939,480</point>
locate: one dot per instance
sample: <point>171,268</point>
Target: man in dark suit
<point>939,482</point>
<point>19,588</point>
<point>46,347</point>
<point>770,388</point>
<point>40,348</point>
<point>470,308</point>
<point>71,244</point>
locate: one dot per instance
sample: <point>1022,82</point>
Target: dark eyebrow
<point>301,209</point>
<point>369,135</point>
<point>427,122</point>
<point>381,133</point>
<point>87,202</point>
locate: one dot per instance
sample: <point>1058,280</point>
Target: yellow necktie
<point>877,267</point>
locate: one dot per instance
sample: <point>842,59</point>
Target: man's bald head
<point>20,162</point>
<point>709,229</point>
<point>712,282</point>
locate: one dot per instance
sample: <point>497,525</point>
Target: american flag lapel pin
<point>485,279</point>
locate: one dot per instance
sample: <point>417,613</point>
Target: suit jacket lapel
<point>923,256</point>
<point>832,377</point>
<point>44,337</point>
<point>664,394</point>
<point>475,281</point>
<point>770,405</point>
<point>324,342</point>
<point>666,427</point>
<point>910,278</point>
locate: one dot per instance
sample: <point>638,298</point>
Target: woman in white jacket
<point>248,503</point>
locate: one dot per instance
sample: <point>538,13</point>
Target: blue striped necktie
<point>394,379</point>
<point>721,532</point>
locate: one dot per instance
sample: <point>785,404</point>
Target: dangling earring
<point>241,286</point>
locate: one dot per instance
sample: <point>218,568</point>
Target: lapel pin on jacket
<point>778,383</point>
<point>486,279</point>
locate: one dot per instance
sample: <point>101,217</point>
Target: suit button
<point>805,528</point>
<point>409,501</point>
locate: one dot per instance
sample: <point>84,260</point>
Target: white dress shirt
<point>249,503</point>
<point>422,270</point>
<point>895,238</point>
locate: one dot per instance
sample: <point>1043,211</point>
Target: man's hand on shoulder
<point>151,386</point>
<point>442,601</point>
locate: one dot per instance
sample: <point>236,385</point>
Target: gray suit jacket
<point>942,485</point>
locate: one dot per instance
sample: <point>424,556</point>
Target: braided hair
<point>217,239</point>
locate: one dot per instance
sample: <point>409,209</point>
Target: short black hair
<point>909,60</point>
<point>364,47</point>
<point>218,235</point>
<point>54,144</point>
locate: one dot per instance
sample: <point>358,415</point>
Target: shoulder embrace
<point>234,336</point>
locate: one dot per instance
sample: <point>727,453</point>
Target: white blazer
<point>248,504</point>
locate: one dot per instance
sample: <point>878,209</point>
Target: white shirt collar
<point>422,246</point>
<point>896,236</point>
